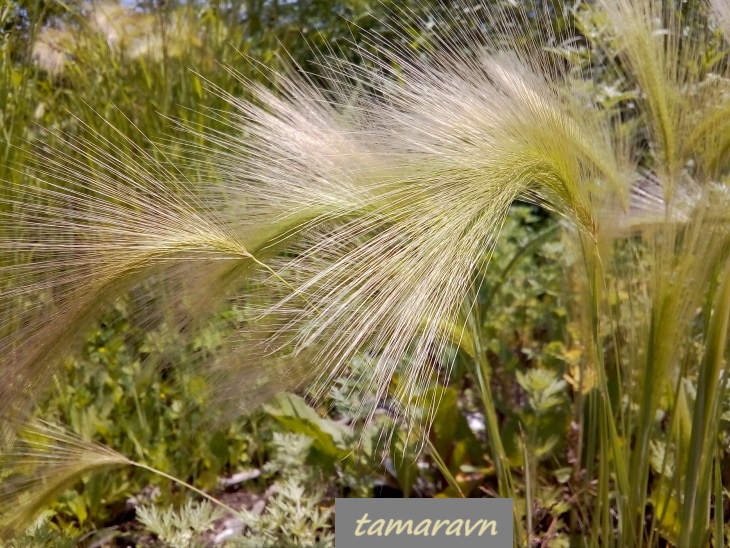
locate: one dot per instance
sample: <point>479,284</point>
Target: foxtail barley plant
<point>357,208</point>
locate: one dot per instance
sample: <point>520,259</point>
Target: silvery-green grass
<point>356,208</point>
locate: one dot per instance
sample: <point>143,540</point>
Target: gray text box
<point>423,523</point>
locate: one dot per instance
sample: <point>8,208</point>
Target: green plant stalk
<point>499,455</point>
<point>528,488</point>
<point>182,483</point>
<point>695,510</point>
<point>679,428</point>
<point>591,443</point>
<point>652,383</point>
<point>611,448</point>
<point>438,459</point>
<point>719,531</point>
<point>639,458</point>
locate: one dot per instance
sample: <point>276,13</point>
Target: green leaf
<point>295,415</point>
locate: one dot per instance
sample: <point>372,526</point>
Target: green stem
<point>211,498</point>
<point>610,444</point>
<point>705,413</point>
<point>505,485</point>
<point>436,456</point>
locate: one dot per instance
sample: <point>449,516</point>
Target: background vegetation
<point>512,419</point>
